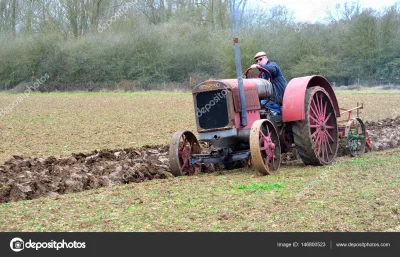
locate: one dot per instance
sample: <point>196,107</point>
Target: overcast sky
<point>313,10</point>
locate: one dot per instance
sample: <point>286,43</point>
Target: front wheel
<point>265,147</point>
<point>183,145</point>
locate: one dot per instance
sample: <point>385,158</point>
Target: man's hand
<point>255,66</point>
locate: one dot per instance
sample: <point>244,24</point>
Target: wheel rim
<point>323,127</point>
<point>356,137</point>
<point>265,147</point>
<point>183,145</point>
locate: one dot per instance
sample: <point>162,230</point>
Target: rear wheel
<point>265,147</point>
<point>316,137</point>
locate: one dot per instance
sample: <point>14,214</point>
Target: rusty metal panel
<point>252,116</point>
<point>251,94</point>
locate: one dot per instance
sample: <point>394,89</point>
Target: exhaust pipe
<point>237,9</point>
<point>243,114</point>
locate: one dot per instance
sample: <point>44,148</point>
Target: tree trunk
<point>13,16</point>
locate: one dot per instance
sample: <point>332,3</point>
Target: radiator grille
<point>212,109</point>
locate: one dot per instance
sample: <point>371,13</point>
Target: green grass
<point>266,187</point>
<point>353,195</point>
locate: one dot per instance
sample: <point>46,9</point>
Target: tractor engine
<point>217,107</point>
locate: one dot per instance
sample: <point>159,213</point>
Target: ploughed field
<point>55,144</point>
<point>34,129</point>
<point>29,178</point>
<point>59,124</point>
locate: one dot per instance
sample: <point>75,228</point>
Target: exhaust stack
<point>237,9</point>
<point>243,114</point>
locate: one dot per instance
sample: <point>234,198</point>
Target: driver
<point>278,81</point>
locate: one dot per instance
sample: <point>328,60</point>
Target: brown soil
<point>384,134</point>
<point>29,178</point>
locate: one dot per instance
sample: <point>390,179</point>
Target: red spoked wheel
<point>316,137</point>
<point>247,73</point>
<point>265,147</point>
<point>183,145</point>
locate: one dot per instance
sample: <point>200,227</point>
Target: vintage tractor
<point>309,121</point>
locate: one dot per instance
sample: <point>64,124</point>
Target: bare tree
<point>344,12</point>
<point>13,16</point>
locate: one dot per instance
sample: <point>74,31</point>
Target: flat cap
<point>260,54</point>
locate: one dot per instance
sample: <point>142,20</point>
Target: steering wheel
<point>261,69</point>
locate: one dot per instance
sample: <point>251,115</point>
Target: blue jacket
<point>278,81</point>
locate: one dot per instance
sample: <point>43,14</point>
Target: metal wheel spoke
<point>273,158</point>
<point>358,145</point>
<point>326,150</point>
<point>261,130</point>
<point>322,107</point>
<point>266,160</point>
<point>323,147</point>
<point>313,134</point>
<point>314,119</point>
<point>316,145</point>
<point>317,107</point>
<point>315,113</point>
<point>267,129</point>
<point>261,138</point>
<point>327,141</point>
<point>320,147</point>
<point>324,113</point>
<point>327,118</point>
<point>316,104</point>
<point>184,165</point>
<point>330,136</point>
